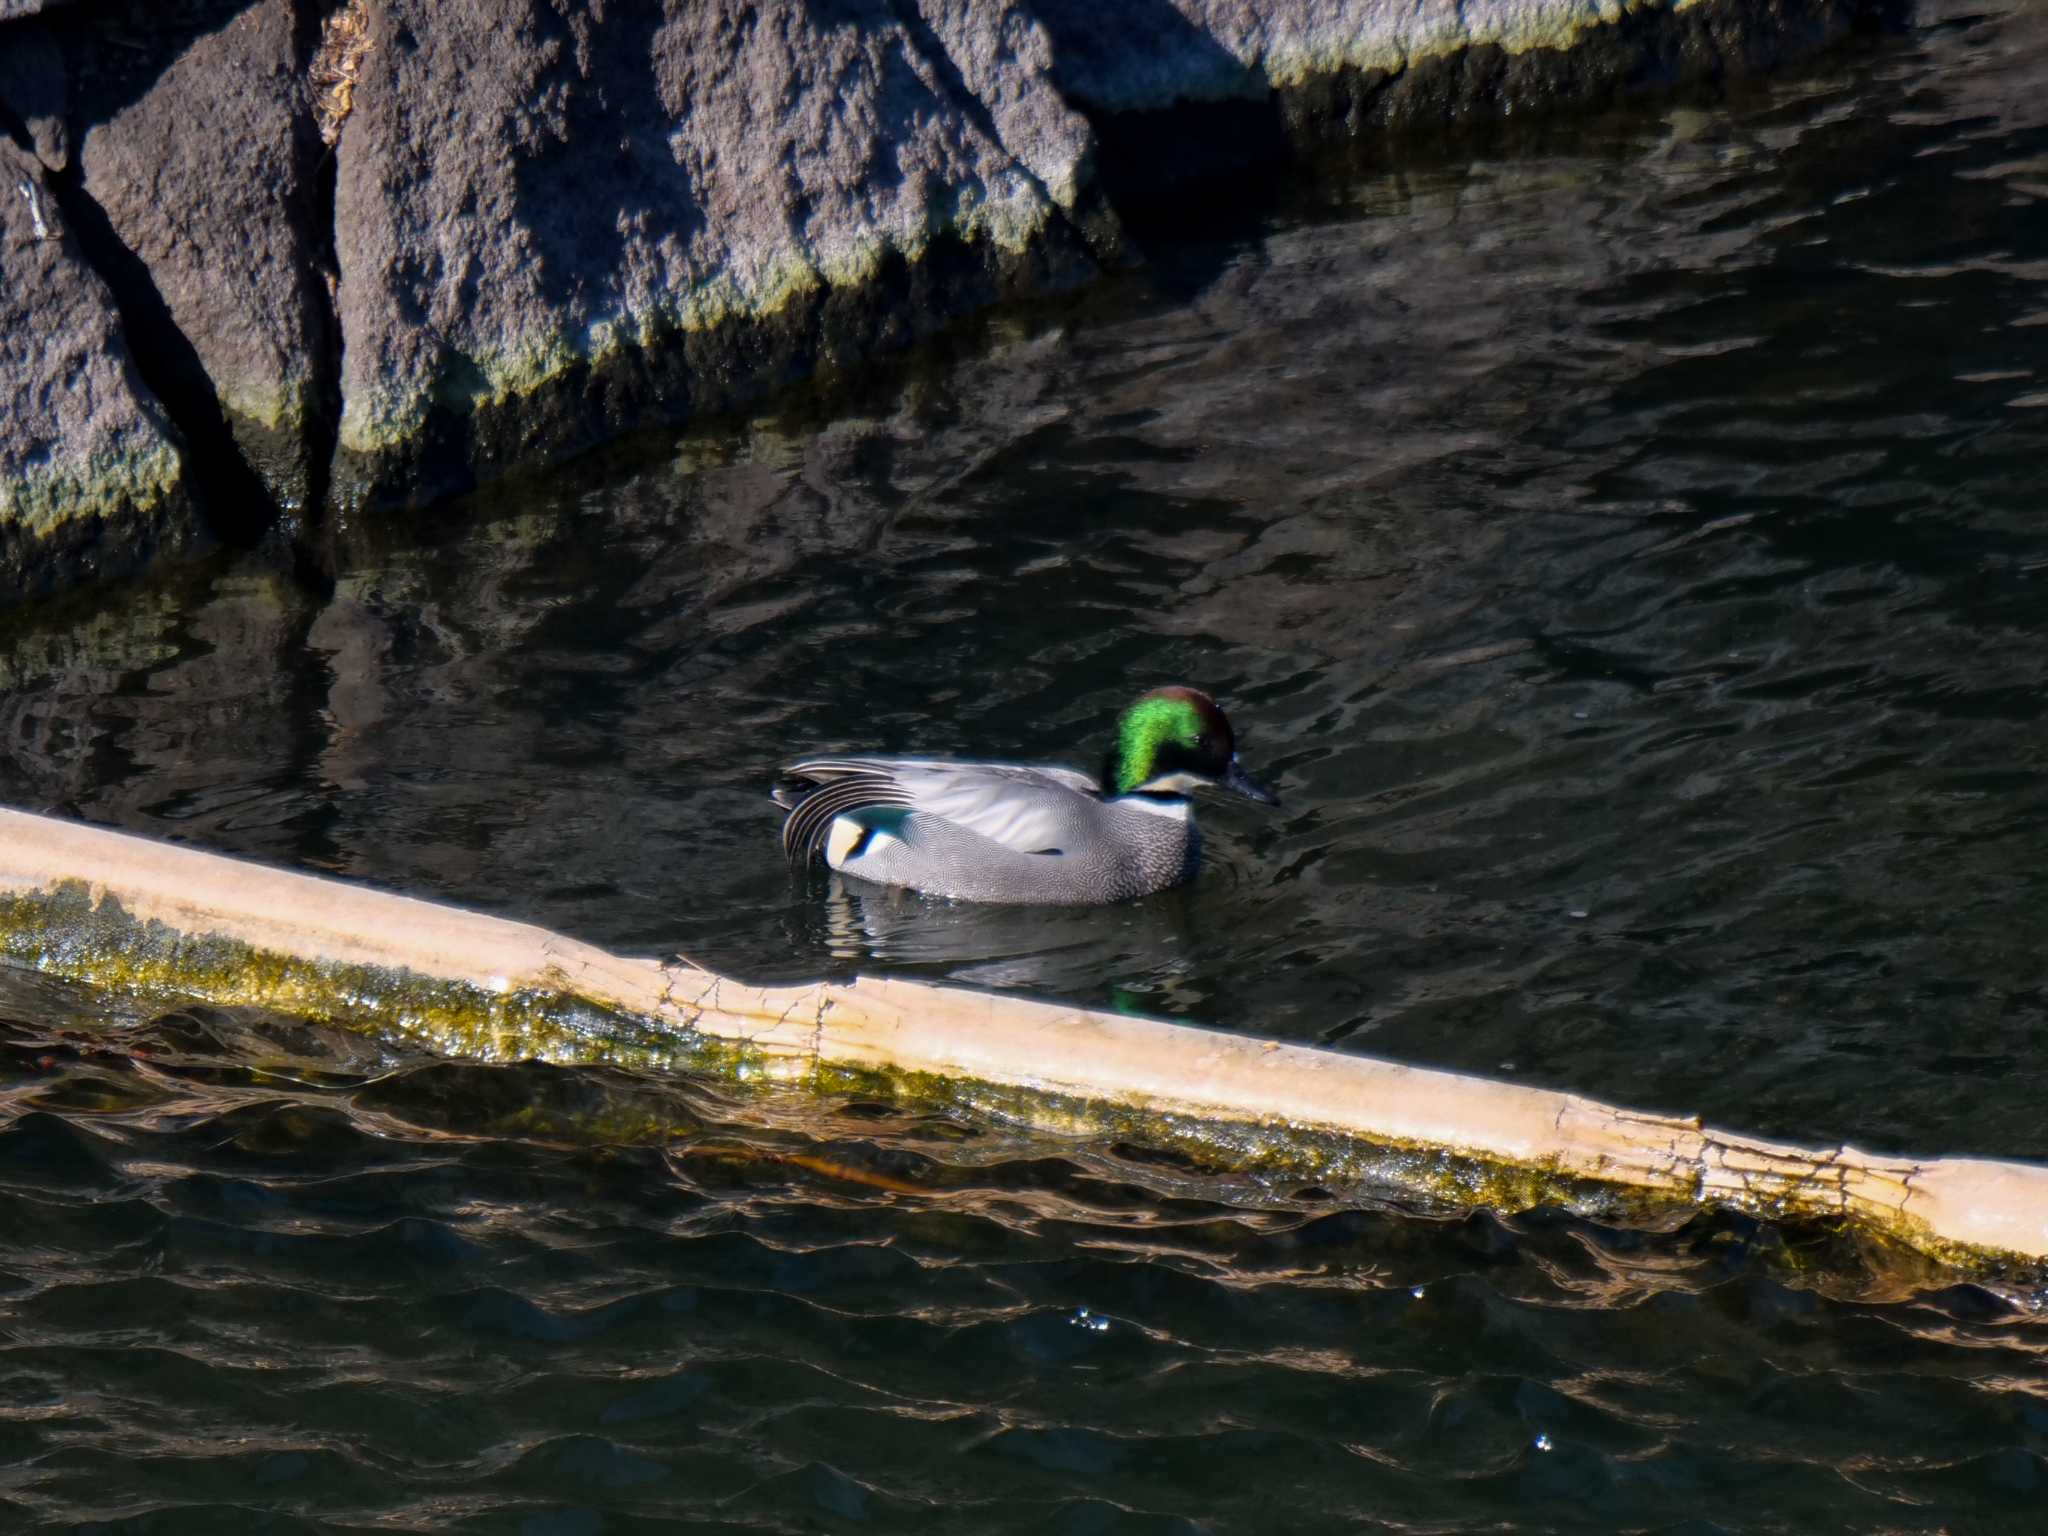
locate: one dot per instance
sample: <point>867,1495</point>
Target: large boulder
<point>1181,90</point>
<point>556,221</point>
<point>207,179</point>
<point>91,477</point>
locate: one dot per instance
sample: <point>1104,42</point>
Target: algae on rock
<point>549,225</point>
<point>91,475</point>
<point>568,222</point>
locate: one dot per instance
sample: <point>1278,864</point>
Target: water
<point>1621,543</point>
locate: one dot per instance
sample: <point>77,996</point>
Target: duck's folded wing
<point>1029,808</point>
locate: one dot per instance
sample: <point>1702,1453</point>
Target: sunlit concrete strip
<point>114,910</point>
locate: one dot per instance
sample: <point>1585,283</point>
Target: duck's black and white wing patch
<point>823,789</point>
<point>1023,807</point>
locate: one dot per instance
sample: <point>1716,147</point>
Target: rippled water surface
<point>1623,545</point>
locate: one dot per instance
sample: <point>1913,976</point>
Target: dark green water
<point>1624,546</point>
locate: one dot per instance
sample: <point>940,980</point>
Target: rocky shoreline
<point>268,262</point>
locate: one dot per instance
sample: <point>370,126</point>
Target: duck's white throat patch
<point>1174,809</point>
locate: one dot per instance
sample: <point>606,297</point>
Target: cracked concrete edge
<point>1965,1210</point>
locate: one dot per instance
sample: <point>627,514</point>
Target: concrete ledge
<point>118,911</point>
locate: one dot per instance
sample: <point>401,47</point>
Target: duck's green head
<point>1173,741</point>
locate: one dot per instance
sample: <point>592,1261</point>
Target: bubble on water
<point>1083,1318</point>
<point>1543,1442</point>
<point>1416,1291</point>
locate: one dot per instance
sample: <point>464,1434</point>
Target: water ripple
<point>705,1316</point>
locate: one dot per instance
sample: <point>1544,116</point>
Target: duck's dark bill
<point>1238,782</point>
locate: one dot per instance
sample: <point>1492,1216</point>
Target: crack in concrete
<point>717,1003</point>
<point>784,1019</point>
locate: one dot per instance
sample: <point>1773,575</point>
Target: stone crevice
<point>237,506</point>
<point>311,548</point>
<point>182,174</point>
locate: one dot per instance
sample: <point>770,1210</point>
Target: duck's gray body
<point>996,832</point>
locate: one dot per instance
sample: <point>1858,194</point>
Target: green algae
<point>76,488</point>
<point>66,933</point>
<point>283,405</point>
<point>493,375</point>
<point>1290,61</point>
<point>1277,1153</point>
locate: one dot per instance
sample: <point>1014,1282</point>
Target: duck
<point>1024,832</point>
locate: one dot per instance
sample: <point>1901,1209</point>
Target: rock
<point>1150,55</point>
<point>999,61</point>
<point>1147,55</point>
<point>32,90</point>
<point>91,478</point>
<point>1507,61</point>
<point>208,180</point>
<point>1253,79</point>
<point>554,222</point>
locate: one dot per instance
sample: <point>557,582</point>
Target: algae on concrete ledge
<point>70,934</point>
<point>105,908</point>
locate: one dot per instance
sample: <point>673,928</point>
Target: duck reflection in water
<point>1147,949</point>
